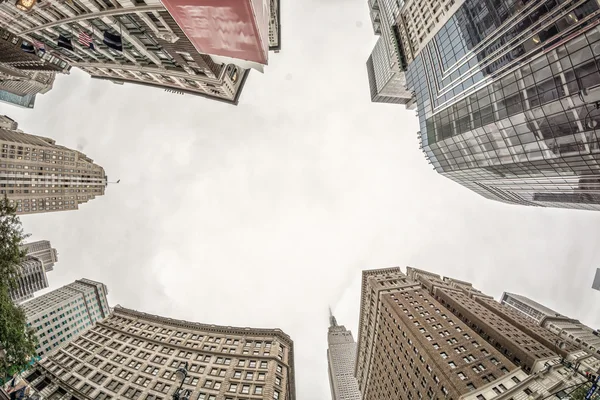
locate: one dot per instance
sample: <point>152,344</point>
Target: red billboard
<point>228,28</point>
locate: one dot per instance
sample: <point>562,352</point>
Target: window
<point>444,355</point>
<point>114,386</point>
<point>132,393</point>
<point>98,378</point>
<point>279,368</point>
<point>249,375</point>
<point>462,376</point>
<point>233,387</point>
<point>258,390</point>
<point>276,395</point>
<point>263,364</point>
<point>452,365</point>
<point>278,381</point>
<point>528,391</point>
<point>261,376</point>
<point>246,389</point>
<point>237,374</point>
<point>480,397</point>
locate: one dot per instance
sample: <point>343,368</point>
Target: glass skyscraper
<point>498,83</point>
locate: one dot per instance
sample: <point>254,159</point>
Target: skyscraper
<point>135,355</point>
<point>38,175</point>
<point>341,355</point>
<point>386,66</point>
<point>63,314</point>
<point>567,328</point>
<point>25,71</point>
<point>133,42</point>
<point>424,336</point>
<point>44,251</point>
<point>498,92</point>
<point>31,275</point>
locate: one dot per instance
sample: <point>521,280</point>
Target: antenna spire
<point>332,320</point>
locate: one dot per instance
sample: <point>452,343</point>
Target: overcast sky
<point>264,214</point>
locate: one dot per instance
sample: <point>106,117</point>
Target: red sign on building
<point>229,28</point>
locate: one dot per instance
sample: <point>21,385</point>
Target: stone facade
<point>134,355</point>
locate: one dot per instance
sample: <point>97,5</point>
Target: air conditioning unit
<point>590,95</point>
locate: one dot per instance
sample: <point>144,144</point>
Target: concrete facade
<point>37,175</point>
<point>341,356</point>
<point>135,355</point>
<point>61,315</point>
<point>43,251</point>
<point>39,260</point>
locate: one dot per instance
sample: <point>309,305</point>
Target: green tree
<point>580,392</point>
<point>17,342</point>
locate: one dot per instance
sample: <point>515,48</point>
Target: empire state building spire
<point>332,320</point>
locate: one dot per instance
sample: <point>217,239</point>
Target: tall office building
<point>567,328</point>
<point>146,46</point>
<point>63,314</point>
<point>498,91</point>
<point>386,66</point>
<point>25,71</point>
<point>341,355</point>
<point>39,176</point>
<point>44,251</point>
<point>423,336</point>
<point>135,355</point>
<point>31,276</point>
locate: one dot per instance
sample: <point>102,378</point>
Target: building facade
<point>61,315</point>
<point>147,48</point>
<point>387,64</point>
<point>31,277</point>
<point>498,92</point>
<point>37,175</point>
<point>567,328</point>
<point>424,336</point>
<point>24,74</point>
<point>135,355</point>
<point>43,251</point>
<point>341,356</point>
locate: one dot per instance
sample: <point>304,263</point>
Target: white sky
<point>264,214</point>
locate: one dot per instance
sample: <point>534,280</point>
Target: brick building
<point>424,336</point>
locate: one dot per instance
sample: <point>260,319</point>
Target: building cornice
<point>118,310</point>
<point>228,330</point>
